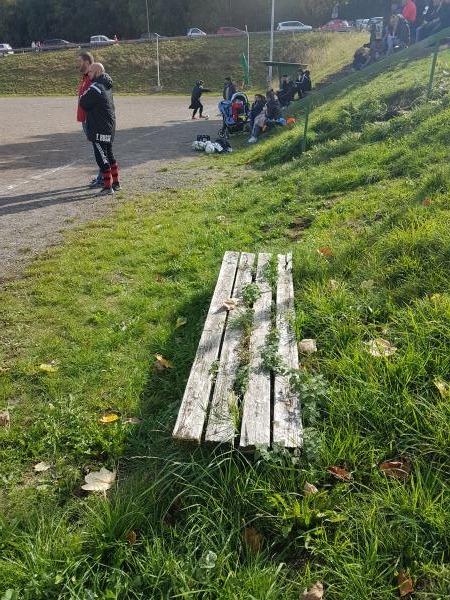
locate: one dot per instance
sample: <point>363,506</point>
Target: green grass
<point>109,298</point>
<point>133,67</point>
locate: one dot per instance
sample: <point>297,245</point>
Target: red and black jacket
<point>98,103</point>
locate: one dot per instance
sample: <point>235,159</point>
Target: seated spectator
<point>270,117</point>
<point>287,93</point>
<point>431,20</point>
<point>256,108</point>
<point>361,58</point>
<point>398,35</point>
<point>443,20</point>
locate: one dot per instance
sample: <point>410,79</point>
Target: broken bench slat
<point>194,406</point>
<point>287,422</point>
<point>223,416</point>
<point>255,428</point>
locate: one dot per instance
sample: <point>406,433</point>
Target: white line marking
<point>39,176</point>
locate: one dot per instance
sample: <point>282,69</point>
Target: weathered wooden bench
<point>268,411</point>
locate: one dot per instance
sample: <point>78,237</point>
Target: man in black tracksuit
<point>98,102</point>
<point>195,104</point>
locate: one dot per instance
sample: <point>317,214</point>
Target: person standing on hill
<point>409,11</point>
<point>195,104</point>
<point>98,102</point>
<point>229,89</point>
<point>85,60</point>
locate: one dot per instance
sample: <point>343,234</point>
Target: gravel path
<point>46,162</point>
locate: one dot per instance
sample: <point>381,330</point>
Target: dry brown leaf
<point>159,279</point>
<point>426,201</point>
<point>405,584</point>
<point>398,469</point>
<point>253,540</point>
<point>309,489</point>
<point>131,537</point>
<point>333,284</point>
<point>326,252</point>
<point>40,467</point>
<point>380,347</point>
<point>230,303</point>
<point>443,387</point>
<point>5,419</point>
<point>307,346</point>
<point>367,284</point>
<point>99,481</point>
<point>161,363</point>
<point>132,421</point>
<point>340,473</point>
<point>315,593</point>
<point>221,218</point>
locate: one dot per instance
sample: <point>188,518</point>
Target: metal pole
<point>272,25</point>
<point>148,20</point>
<point>248,52</point>
<point>305,132</point>
<point>157,59</point>
<point>433,68</point>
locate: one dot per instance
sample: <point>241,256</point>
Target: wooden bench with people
<point>233,395</point>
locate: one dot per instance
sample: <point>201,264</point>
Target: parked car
<point>99,40</point>
<point>6,49</point>
<point>56,44</point>
<point>194,32</point>
<point>293,26</point>
<point>362,24</point>
<point>336,25</point>
<point>231,31</point>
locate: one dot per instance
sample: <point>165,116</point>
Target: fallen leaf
<point>99,481</point>
<point>334,285</point>
<point>131,537</point>
<point>132,421</point>
<point>340,473</point>
<point>41,467</point>
<point>4,369</point>
<point>436,297</point>
<point>380,347</point>
<point>326,252</point>
<point>443,387</point>
<point>307,346</point>
<point>309,489</point>
<point>230,303</point>
<point>426,202</point>
<point>161,363</point>
<point>180,322</point>
<point>159,279</point>
<point>50,367</point>
<point>109,417</point>
<point>221,218</point>
<point>5,419</point>
<point>367,284</point>
<point>315,593</point>
<point>405,584</point>
<point>398,469</point>
<point>253,540</point>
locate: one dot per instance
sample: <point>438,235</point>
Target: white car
<point>195,32</point>
<point>6,49</point>
<point>101,39</point>
<point>293,26</point>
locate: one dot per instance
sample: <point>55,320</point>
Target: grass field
<point>365,212</point>
<point>183,62</point>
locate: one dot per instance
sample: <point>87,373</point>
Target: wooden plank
<point>192,413</point>
<point>222,417</point>
<point>287,423</point>
<point>255,428</point>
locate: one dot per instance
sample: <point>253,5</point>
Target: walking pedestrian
<point>98,103</point>
<point>195,104</point>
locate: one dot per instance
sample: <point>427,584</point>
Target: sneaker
<point>206,117</point>
<point>95,183</point>
<point>116,187</point>
<point>252,140</point>
<point>105,191</point>
<point>194,118</point>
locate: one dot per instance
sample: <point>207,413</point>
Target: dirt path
<point>46,163</point>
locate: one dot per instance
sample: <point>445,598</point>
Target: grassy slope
<point>183,62</point>
<point>110,298</point>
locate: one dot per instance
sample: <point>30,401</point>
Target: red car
<point>336,25</point>
<point>230,31</point>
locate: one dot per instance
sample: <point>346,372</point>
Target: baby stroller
<point>235,114</point>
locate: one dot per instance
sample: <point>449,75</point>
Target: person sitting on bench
<point>287,92</point>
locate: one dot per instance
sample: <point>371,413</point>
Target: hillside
<point>365,212</point>
<point>182,61</point>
